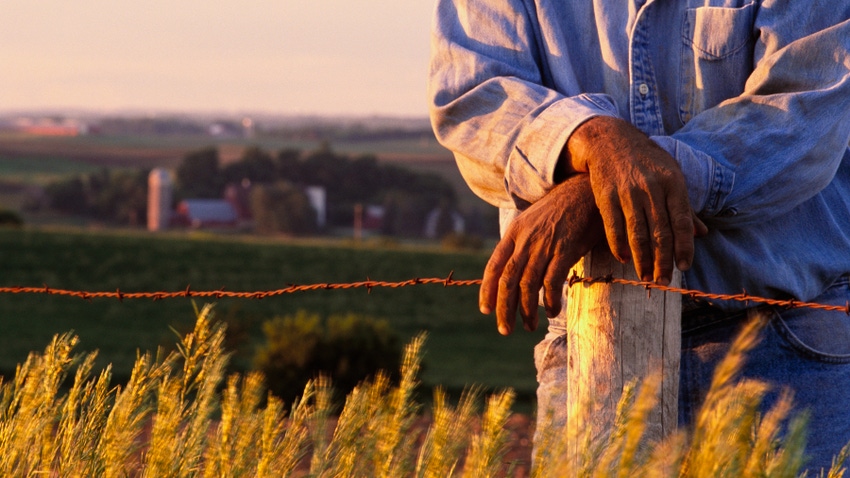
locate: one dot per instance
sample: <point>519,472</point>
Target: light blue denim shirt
<point>752,98</point>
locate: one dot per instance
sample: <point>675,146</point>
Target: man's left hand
<point>537,251</point>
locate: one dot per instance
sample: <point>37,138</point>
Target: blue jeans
<point>804,350</point>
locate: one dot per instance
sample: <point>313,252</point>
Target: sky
<point>325,57</point>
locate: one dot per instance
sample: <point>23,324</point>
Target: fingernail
<point>484,309</point>
<point>683,265</point>
<point>665,281</point>
<point>504,330</point>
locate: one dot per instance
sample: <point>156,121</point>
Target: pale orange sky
<point>276,56</point>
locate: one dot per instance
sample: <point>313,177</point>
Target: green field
<point>158,150</point>
<point>41,170</point>
<point>463,346</point>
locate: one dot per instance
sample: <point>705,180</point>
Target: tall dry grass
<point>179,416</point>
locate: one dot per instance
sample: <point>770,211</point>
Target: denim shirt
<point>752,98</point>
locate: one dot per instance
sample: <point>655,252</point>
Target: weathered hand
<point>538,250</point>
<point>641,195</point>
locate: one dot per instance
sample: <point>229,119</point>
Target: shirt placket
<point>644,105</point>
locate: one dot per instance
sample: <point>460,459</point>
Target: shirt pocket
<point>717,56</point>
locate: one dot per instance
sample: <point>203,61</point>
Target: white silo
<point>159,199</point>
<point>316,196</point>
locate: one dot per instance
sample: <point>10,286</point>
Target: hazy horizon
<point>301,57</point>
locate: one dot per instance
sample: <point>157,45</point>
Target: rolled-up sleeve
<point>488,104</point>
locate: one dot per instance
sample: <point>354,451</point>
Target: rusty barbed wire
<point>369,284</point>
<point>696,294</point>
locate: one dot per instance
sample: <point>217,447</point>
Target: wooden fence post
<point>617,333</point>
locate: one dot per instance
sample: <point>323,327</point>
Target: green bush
<point>455,241</point>
<point>10,218</point>
<point>347,348</point>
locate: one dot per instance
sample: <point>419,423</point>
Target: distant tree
<point>366,179</point>
<point>323,167</point>
<point>68,196</point>
<point>347,181</point>
<point>198,175</point>
<point>115,196</point>
<point>124,197</point>
<point>288,165</point>
<point>255,165</point>
<point>282,208</point>
<point>405,213</point>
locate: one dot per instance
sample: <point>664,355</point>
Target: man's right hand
<point>641,195</point>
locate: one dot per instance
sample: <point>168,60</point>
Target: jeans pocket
<point>817,334</point>
<point>550,357</point>
<point>717,56</point>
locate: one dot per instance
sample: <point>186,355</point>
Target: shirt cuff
<point>530,170</point>
<point>709,182</point>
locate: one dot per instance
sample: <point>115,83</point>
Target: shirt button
<point>643,89</point>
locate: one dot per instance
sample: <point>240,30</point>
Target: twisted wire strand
<point>369,284</point>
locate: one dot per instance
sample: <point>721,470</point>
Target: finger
<point>489,290</point>
<point>508,295</point>
<point>553,286</point>
<point>662,246</point>
<point>683,226</point>
<point>639,242</point>
<point>700,229</point>
<point>615,226</point>
<point>529,289</point>
<point>533,281</point>
<point>663,235</point>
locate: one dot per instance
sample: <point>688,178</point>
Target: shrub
<point>347,348</point>
<point>455,241</point>
<point>282,207</point>
<point>10,218</point>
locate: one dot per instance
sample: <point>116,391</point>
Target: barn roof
<point>209,210</point>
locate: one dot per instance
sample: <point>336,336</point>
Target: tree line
<point>278,180</point>
<point>277,199</point>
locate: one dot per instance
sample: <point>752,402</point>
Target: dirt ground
<point>521,428</point>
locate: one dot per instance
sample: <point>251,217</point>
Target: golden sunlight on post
<point>617,334</point>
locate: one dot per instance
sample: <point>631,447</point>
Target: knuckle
<point>506,283</point>
<point>510,268</point>
<point>639,236</point>
<point>529,283</point>
<point>607,195</point>
<point>662,236</point>
<point>683,223</point>
<point>659,218</point>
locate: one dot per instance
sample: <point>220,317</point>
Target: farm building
<point>201,213</point>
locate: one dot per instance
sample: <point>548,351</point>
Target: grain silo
<point>159,199</point>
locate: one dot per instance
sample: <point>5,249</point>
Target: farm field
<point>463,347</point>
<point>158,150</point>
